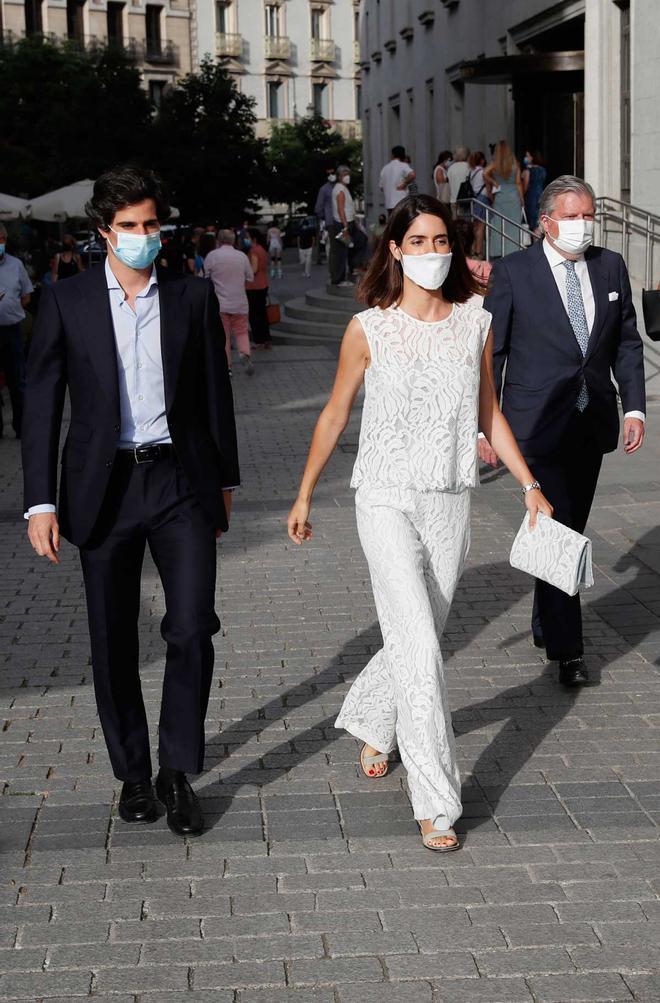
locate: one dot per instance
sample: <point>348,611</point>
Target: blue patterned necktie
<point>578,319</point>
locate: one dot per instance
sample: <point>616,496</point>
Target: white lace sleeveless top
<point>419,423</point>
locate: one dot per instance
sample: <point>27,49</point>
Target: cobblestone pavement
<point>311,883</point>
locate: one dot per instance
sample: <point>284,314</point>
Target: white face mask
<point>346,179</point>
<point>332,177</point>
<point>575,235</point>
<point>426,270</point>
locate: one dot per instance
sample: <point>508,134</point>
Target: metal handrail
<point>495,222</point>
<point>628,220</point>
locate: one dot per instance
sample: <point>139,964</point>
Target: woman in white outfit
<point>424,352</point>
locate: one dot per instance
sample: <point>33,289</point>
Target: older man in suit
<point>564,324</point>
<point>151,446</point>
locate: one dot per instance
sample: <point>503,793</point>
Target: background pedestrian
<point>15,290</point>
<point>257,292</point>
<point>275,245</point>
<point>67,262</point>
<point>395,177</point>
<point>503,177</point>
<point>230,270</point>
<point>457,173</point>
<point>477,163</point>
<point>534,177</point>
<point>440,179</point>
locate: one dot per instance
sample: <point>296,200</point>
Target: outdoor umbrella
<point>62,203</point>
<point>67,202</point>
<point>12,207</point>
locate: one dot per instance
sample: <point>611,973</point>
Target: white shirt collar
<point>553,255</point>
<point>113,281</point>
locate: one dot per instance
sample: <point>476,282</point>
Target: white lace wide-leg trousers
<point>416,543</point>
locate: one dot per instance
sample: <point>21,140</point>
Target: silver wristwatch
<point>530,487</point>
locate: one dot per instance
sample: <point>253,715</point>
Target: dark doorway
<point>549,107</point>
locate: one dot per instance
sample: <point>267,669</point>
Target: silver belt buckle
<point>137,458</point>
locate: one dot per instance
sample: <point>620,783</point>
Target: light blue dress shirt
<point>139,364</point>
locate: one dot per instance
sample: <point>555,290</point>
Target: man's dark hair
<point>399,152</point>
<point>123,186</point>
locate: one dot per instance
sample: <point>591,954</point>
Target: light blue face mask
<point>2,250</point>
<point>136,250</point>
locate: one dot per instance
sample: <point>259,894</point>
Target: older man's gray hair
<point>562,185</point>
<point>343,169</point>
<point>226,236</point>
<point>461,153</point>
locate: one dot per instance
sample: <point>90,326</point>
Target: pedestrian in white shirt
<point>395,178</point>
<point>457,173</point>
<point>229,270</point>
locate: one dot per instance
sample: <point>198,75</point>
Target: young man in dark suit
<point>564,324</point>
<point>150,450</point>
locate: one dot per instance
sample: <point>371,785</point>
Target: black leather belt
<point>147,454</point>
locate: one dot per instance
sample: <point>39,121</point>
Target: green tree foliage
<point>66,114</point>
<point>297,156</point>
<point>203,143</point>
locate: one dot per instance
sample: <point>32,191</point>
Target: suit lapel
<point>174,329</point>
<point>93,309</point>
<point>548,300</point>
<point>599,286</point>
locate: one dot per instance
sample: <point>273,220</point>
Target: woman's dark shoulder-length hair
<point>382,284</point>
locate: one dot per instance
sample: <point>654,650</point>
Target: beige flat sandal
<point>366,761</point>
<point>439,834</point>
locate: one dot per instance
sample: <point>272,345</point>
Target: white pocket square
<point>612,297</point>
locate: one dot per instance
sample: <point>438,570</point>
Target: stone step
<point>339,304</point>
<point>302,310</point>
<point>346,292</point>
<point>309,329</point>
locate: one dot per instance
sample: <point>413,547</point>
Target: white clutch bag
<point>554,553</point>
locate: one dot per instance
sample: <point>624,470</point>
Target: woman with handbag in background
<point>257,292</point>
<point>423,350</point>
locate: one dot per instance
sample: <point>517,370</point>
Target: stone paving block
<point>240,975</point>
<point>627,958</point>
<point>285,947</point>
<point>39,985</point>
<point>547,934</point>
<point>143,931</point>
<point>327,922</point>
<point>93,956</point>
<point>605,988</point>
<point>35,935</point>
<point>332,971</point>
<point>482,991</point>
<point>139,979</point>
<point>402,992</point>
<point>246,926</point>
<point>306,995</point>
<point>645,988</point>
<point>448,964</point>
<point>22,960</point>
<point>524,961</point>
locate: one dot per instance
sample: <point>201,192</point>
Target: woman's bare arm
<point>353,360</point>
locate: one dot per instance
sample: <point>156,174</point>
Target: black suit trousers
<point>151,504</point>
<point>568,480</point>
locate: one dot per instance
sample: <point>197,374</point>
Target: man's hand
<point>486,452</point>
<point>633,434</point>
<point>44,535</point>
<point>227,497</point>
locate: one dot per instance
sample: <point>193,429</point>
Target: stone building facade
<point>293,57</point>
<point>576,79</point>
<point>157,34</point>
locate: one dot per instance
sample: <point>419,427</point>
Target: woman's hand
<point>535,502</point>
<point>298,527</point>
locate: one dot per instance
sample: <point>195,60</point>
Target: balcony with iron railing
<point>229,45</point>
<point>277,47</point>
<point>322,49</point>
<point>153,51</point>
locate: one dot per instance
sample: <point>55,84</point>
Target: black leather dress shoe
<point>538,641</point>
<point>184,815</point>
<point>137,802</point>
<point>573,672</point>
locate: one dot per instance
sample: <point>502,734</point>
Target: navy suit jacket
<point>544,363</point>
<point>73,348</point>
